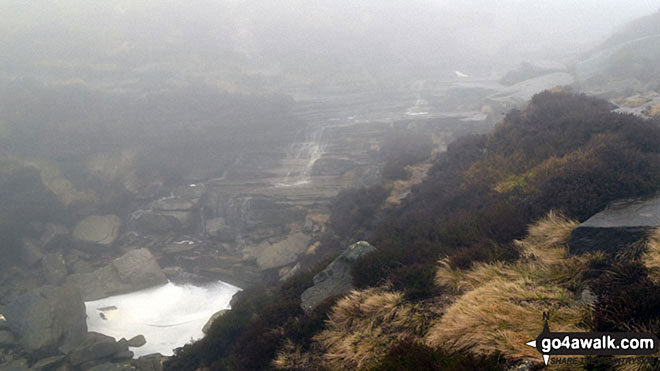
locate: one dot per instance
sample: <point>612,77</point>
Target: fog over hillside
<point>248,45</point>
<point>319,184</point>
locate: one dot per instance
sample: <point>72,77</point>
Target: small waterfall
<point>301,157</point>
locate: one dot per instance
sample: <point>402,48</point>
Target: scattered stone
<point>48,318</point>
<point>336,278</point>
<point>54,268</point>
<point>619,225</point>
<point>97,231</point>
<point>135,270</point>
<point>215,316</point>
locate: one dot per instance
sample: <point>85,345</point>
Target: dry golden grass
<point>654,111</point>
<point>651,257</point>
<point>363,327</point>
<point>501,304</point>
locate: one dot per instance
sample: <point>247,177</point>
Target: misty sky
<point>297,37</point>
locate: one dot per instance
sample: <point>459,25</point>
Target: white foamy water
<point>168,316</point>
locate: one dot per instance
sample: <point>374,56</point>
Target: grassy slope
<point>563,152</point>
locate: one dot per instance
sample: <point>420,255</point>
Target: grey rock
<point>283,252</point>
<point>94,347</point>
<point>54,268</point>
<point>97,231</point>
<point>137,341</point>
<point>215,316</point>
<point>135,270</point>
<point>15,365</point>
<point>107,366</point>
<point>127,354</point>
<point>7,338</point>
<point>55,237</point>
<point>48,318</point>
<point>31,253</point>
<point>332,166</point>
<point>217,229</point>
<point>50,363</point>
<point>620,224</point>
<point>336,278</point>
<point>157,223</point>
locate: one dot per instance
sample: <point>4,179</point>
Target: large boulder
<point>48,318</point>
<point>135,270</point>
<point>620,224</point>
<point>97,231</point>
<point>336,278</point>
<point>283,252</point>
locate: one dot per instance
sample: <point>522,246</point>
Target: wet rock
<point>336,278</point>
<point>137,341</point>
<point>47,318</point>
<point>215,316</point>
<point>135,270</point>
<point>54,268</point>
<point>97,231</point>
<point>619,225</point>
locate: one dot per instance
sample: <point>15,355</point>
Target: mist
<point>168,165</point>
<point>244,45</point>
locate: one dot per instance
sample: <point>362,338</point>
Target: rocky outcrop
<point>97,347</point>
<point>336,278</point>
<point>47,319</point>
<point>214,317</point>
<point>135,270</point>
<point>620,224</point>
<point>97,231</point>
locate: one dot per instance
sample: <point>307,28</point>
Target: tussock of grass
<point>651,257</point>
<point>363,327</point>
<point>501,304</point>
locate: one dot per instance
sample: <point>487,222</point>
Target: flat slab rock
<point>620,224</point>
